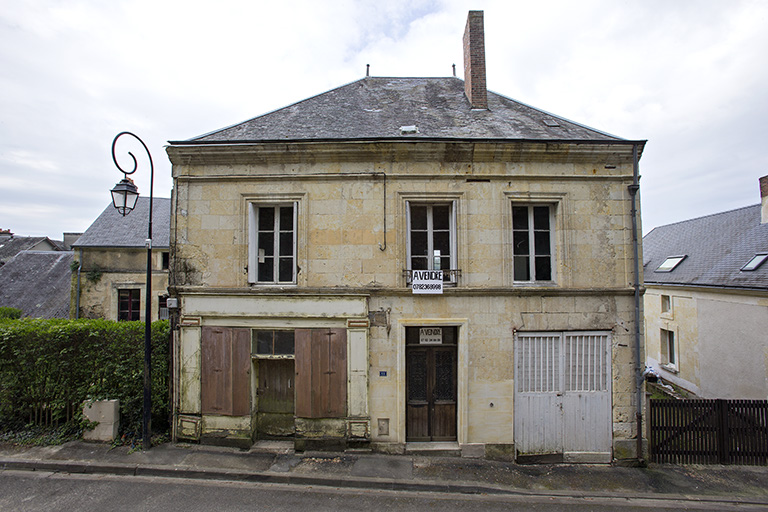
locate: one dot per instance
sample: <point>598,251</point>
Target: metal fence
<point>698,431</point>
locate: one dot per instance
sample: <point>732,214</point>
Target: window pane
<point>286,270</point>
<point>264,342</point>
<point>441,217</point>
<point>266,219</point>
<point>522,272</point>
<point>520,242</point>
<point>286,218</point>
<point>442,243</point>
<point>418,217</point>
<point>284,342</point>
<point>445,264</point>
<point>541,217</point>
<point>543,268</point>
<point>419,244</point>
<point>286,244</point>
<point>519,217</point>
<point>266,270</point>
<point>541,242</point>
<point>419,263</point>
<point>266,244</point>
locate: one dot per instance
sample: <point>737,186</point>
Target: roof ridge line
<point>703,217</point>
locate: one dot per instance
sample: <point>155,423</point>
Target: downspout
<point>77,293</point>
<point>633,190</point>
<point>383,247</point>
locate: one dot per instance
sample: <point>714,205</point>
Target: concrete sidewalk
<point>276,462</point>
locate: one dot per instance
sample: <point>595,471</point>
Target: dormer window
<point>755,262</point>
<point>670,263</point>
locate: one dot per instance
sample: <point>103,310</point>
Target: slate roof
<point>38,283</point>
<point>717,247</point>
<point>377,108</point>
<point>111,229</point>
<point>14,245</point>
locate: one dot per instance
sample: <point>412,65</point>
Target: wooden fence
<point>698,431</point>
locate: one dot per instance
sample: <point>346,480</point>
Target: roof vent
<point>551,122</point>
<point>409,130</point>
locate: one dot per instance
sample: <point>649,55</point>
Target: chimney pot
<point>764,200</point>
<point>474,61</point>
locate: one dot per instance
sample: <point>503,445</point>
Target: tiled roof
<point>38,283</point>
<point>12,246</point>
<point>111,229</point>
<point>716,248</point>
<point>377,108</point>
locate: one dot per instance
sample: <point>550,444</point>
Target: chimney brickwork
<point>474,61</point>
<point>764,200</point>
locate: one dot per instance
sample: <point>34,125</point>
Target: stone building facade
<point>110,272</point>
<point>299,241</point>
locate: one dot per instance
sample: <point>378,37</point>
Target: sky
<point>688,76</point>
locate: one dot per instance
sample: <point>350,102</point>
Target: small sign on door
<point>430,335</point>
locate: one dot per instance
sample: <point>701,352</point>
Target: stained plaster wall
<point>722,346</point>
<point>341,233</point>
<point>105,271</point>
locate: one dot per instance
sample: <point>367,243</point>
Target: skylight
<point>755,262</point>
<point>670,263</point>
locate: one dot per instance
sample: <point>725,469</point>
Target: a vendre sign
<point>427,281</point>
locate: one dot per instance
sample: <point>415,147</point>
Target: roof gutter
<point>607,141</point>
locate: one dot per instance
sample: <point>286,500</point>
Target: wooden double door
<point>431,364</point>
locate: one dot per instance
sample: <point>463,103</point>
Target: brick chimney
<point>474,61</point>
<point>764,200</point>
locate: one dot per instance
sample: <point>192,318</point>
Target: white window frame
<point>755,262</point>
<point>253,243</point>
<point>670,359</point>
<point>531,242</point>
<point>670,263</point>
<point>452,277</point>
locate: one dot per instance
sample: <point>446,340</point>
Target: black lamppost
<point>124,197</point>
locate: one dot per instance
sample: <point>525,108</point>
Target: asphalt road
<point>33,491</point>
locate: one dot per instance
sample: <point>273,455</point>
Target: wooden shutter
<point>321,373</point>
<point>225,371</point>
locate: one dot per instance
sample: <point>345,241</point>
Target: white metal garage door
<point>563,395</point>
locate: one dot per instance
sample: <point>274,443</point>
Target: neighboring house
<point>110,280</point>
<point>706,302</point>
<point>37,283</point>
<point>300,241</point>
<point>11,245</point>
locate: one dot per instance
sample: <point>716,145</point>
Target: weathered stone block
<point>107,414</point>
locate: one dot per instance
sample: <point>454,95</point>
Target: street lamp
<point>124,197</point>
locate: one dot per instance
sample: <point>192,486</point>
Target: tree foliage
<point>48,368</point>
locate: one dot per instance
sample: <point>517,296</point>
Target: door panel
<point>444,395</point>
<point>430,389</point>
<point>276,392</point>
<point>276,386</point>
<point>562,395</point>
<point>417,408</point>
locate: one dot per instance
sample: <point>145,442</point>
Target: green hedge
<point>12,313</point>
<point>48,368</point>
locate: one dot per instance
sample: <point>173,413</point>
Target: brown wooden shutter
<point>225,371</point>
<point>321,373</point>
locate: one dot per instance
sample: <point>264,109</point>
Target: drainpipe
<point>77,293</point>
<point>633,189</point>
